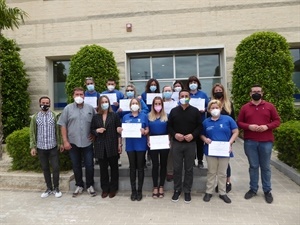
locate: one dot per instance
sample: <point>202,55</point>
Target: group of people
<point>97,130</point>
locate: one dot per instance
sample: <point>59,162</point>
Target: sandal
<point>155,193</point>
<point>161,193</point>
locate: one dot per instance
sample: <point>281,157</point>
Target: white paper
<point>112,97</point>
<point>219,148</point>
<point>169,105</point>
<point>175,96</point>
<point>124,104</point>
<point>159,142</point>
<point>131,130</point>
<point>198,103</point>
<point>91,101</point>
<point>151,96</point>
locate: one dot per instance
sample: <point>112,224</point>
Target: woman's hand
<point>100,130</point>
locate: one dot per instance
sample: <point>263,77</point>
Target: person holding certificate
<point>158,126</point>
<point>91,96</point>
<point>219,133</point>
<point>194,87</point>
<point>111,85</point>
<point>136,145</point>
<point>152,86</point>
<point>107,146</point>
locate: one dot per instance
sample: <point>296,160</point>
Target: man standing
<point>111,85</point>
<point>45,140</point>
<point>75,122</point>
<point>258,118</point>
<point>91,96</point>
<point>184,126</point>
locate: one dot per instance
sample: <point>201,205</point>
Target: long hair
<point>149,84</point>
<point>163,114</point>
<point>133,87</point>
<point>100,110</point>
<point>226,104</point>
<point>138,101</point>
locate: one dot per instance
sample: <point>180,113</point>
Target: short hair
<point>46,97</point>
<point>167,86</point>
<point>191,79</point>
<point>178,82</point>
<point>184,90</point>
<point>78,89</point>
<point>111,79</point>
<point>215,101</point>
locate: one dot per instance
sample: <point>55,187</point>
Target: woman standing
<point>136,148</point>
<point>217,128</point>
<point>152,86</point>
<point>158,126</point>
<point>107,145</point>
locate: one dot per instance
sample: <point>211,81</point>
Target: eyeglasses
<point>89,78</point>
<point>129,90</point>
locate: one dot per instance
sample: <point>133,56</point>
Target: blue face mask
<point>130,94</point>
<point>104,106</point>
<point>152,88</point>
<point>193,87</point>
<point>167,94</point>
<point>90,87</point>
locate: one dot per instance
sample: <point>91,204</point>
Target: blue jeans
<point>76,158</point>
<point>259,155</point>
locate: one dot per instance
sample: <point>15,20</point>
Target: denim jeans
<point>259,155</point>
<point>76,158</point>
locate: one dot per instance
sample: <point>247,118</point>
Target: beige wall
<point>57,28</point>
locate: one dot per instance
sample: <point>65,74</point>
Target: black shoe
<point>96,162</point>
<point>139,196</point>
<point>187,197</point>
<point>217,189</point>
<point>200,165</point>
<point>249,194</point>
<point>225,198</point>
<point>176,195</point>
<point>133,196</point>
<point>207,197</point>
<point>228,187</point>
<point>268,197</point>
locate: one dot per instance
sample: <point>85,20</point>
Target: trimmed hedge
<point>17,146</point>
<point>287,143</point>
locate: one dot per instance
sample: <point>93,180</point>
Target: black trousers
<point>200,146</point>
<point>136,163</point>
<point>159,161</point>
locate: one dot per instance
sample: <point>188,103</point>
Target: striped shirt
<point>45,123</point>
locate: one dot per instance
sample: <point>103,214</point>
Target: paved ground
<point>18,207</point>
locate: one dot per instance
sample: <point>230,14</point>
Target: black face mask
<point>45,107</point>
<point>218,95</point>
<point>256,96</point>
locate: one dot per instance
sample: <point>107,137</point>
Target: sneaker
<point>119,163</point>
<point>249,194</point>
<point>148,163</point>
<point>176,195</point>
<point>225,198</point>
<point>200,165</point>
<point>57,192</point>
<point>46,193</point>
<point>77,191</point>
<point>91,191</point>
<point>268,197</point>
<point>228,187</point>
<point>96,162</point>
<point>187,198</point>
<point>207,197</point>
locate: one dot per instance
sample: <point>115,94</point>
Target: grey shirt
<point>78,123</point>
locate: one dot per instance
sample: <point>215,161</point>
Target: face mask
<point>45,107</point>
<point>218,95</point>
<point>130,94</point>
<point>78,100</point>
<point>167,94</point>
<point>215,112</point>
<point>184,101</point>
<point>193,87</point>
<point>110,87</point>
<point>134,108</point>
<point>157,108</point>
<point>90,87</point>
<point>177,89</point>
<point>256,96</point>
<point>152,88</point>
<point>104,106</point>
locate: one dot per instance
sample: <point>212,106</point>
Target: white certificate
<point>91,101</point>
<point>175,96</point>
<point>198,103</point>
<point>219,148</point>
<point>169,105</point>
<point>131,130</point>
<point>159,142</point>
<point>124,104</point>
<point>151,96</point>
<point>112,97</point>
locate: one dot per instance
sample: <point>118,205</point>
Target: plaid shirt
<point>46,138</point>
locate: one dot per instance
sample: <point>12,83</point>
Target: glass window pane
<point>209,65</point>
<point>296,58</point>
<point>140,87</point>
<point>207,84</point>
<point>140,69</point>
<point>162,67</point>
<point>185,66</point>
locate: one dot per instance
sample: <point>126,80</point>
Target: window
<point>296,74</point>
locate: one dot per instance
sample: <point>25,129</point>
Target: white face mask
<point>184,101</point>
<point>78,100</point>
<point>177,89</point>
<point>215,112</point>
<point>134,108</point>
<point>110,87</point>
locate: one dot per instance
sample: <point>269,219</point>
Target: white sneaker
<point>46,193</point>
<point>77,191</point>
<point>57,193</point>
<point>119,163</point>
<point>91,191</point>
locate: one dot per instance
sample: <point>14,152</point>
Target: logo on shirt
<point>221,125</point>
<point>139,120</point>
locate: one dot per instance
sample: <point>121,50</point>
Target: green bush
<point>91,61</point>
<point>297,113</point>
<point>17,146</point>
<point>287,143</point>
<point>264,58</point>
<point>14,80</point>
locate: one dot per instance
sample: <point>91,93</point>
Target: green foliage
<point>297,114</point>
<point>264,58</point>
<point>14,80</point>
<point>91,61</point>
<point>17,146</point>
<point>287,143</point>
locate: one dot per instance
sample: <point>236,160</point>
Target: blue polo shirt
<point>218,130</point>
<point>201,94</point>
<point>136,144</point>
<point>158,127</point>
<point>119,96</point>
